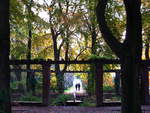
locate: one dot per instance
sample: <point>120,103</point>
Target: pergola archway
<point>98,76</point>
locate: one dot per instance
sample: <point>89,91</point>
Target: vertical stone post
<point>144,85</point>
<point>46,83</point>
<point>117,82</point>
<point>99,84</point>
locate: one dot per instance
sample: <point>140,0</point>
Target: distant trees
<point>129,51</point>
<point>5,104</point>
<point>64,17</point>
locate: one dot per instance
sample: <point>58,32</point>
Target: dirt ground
<point>71,109</point>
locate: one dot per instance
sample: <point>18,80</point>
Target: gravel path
<point>71,109</point>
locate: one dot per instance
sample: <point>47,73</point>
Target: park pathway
<point>71,109</point>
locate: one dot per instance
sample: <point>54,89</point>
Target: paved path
<point>70,109</point>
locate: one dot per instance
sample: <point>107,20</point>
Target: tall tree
<point>62,17</point>
<point>58,31</point>
<point>29,5</point>
<point>5,105</point>
<point>92,28</point>
<point>129,51</point>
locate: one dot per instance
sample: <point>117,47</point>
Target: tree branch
<point>81,51</point>
<point>62,43</point>
<point>134,26</point>
<point>111,40</point>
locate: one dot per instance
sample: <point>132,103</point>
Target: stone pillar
<point>46,83</point>
<point>145,85</point>
<point>99,84</point>
<point>117,83</point>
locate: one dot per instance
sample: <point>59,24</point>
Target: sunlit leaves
<point>115,16</point>
<point>72,20</point>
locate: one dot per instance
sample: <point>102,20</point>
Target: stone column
<point>46,83</point>
<point>99,84</point>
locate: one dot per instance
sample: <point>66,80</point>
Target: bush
<point>108,88</point>
<point>90,102</point>
<point>30,97</point>
<point>16,84</point>
<point>61,100</point>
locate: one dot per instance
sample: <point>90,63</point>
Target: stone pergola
<point>98,76</point>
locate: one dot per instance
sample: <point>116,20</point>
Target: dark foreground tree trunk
<point>129,52</point>
<point>130,86</point>
<point>5,104</point>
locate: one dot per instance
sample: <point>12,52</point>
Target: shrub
<point>61,100</point>
<point>90,102</point>
<point>108,88</point>
<point>30,97</point>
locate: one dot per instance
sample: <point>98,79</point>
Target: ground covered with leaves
<point>71,109</point>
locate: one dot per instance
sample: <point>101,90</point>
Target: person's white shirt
<point>76,81</point>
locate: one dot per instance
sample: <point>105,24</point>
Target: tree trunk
<point>129,51</point>
<point>5,104</point>
<point>147,50</point>
<point>17,73</point>
<point>94,35</point>
<point>130,86</point>
<point>59,76</point>
<point>28,84</point>
<point>60,81</point>
<point>91,76</point>
<point>91,80</point>
<point>28,58</point>
<point>59,73</point>
<point>18,77</point>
